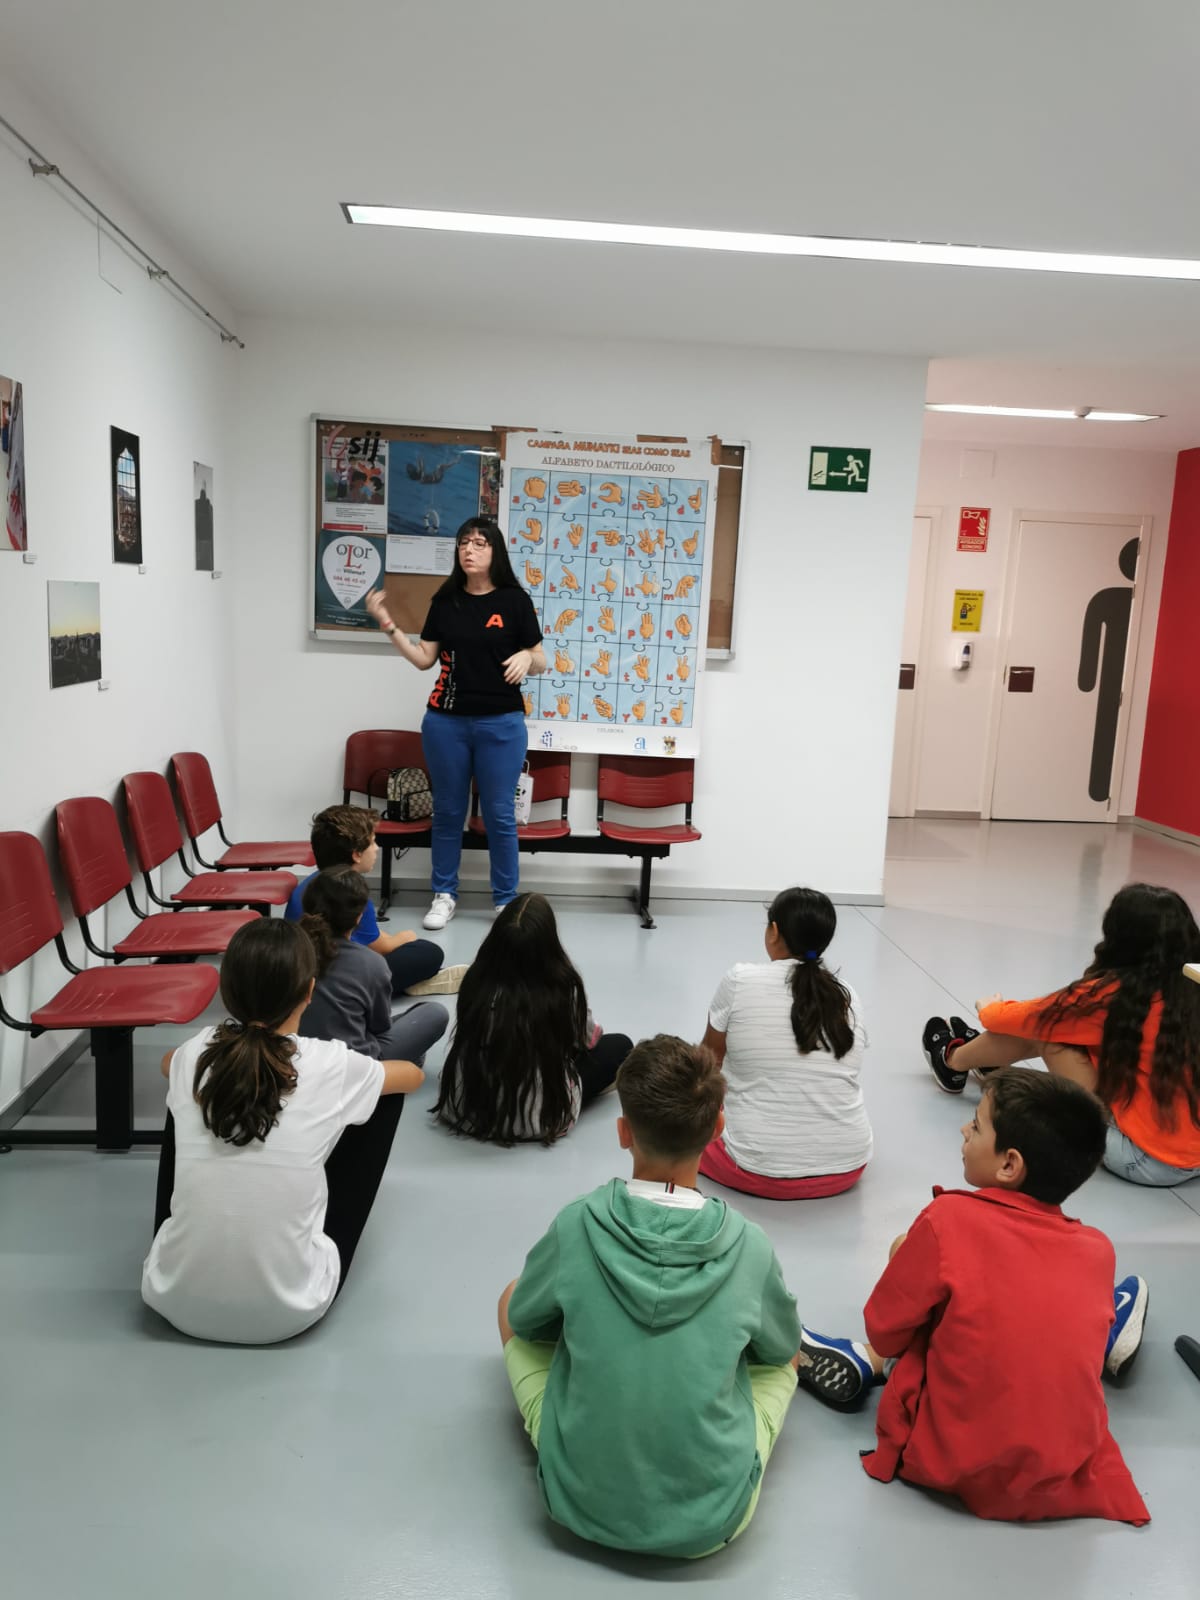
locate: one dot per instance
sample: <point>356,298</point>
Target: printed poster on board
<point>349,566</point>
<point>612,539</point>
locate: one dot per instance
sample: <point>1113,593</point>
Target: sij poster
<point>613,541</point>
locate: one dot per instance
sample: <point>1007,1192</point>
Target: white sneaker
<point>440,912</point>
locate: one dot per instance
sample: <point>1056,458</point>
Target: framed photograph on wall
<point>202,497</point>
<point>73,618</point>
<point>125,480</point>
<point>12,464</point>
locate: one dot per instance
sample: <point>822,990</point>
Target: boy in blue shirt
<point>345,836</point>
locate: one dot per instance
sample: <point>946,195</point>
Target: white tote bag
<point>524,796</point>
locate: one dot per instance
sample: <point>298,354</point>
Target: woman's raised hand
<point>375,605</point>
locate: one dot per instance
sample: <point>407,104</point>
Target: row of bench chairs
<point>639,783</point>
<point>198,920</point>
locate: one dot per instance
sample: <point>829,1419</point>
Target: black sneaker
<point>837,1371</point>
<point>961,1032</point>
<point>938,1034</point>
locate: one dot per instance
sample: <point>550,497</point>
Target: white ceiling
<point>238,125</point>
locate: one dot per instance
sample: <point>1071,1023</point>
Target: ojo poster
<point>612,538</point>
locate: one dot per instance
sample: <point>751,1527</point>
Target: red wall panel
<point>1169,785</point>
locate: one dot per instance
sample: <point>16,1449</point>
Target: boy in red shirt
<point>1016,1427</point>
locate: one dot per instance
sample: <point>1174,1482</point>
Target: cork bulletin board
<point>389,497</point>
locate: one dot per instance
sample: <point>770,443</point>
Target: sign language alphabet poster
<point>613,541</point>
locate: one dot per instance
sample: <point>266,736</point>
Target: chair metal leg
<point>641,899</point>
<point>385,884</point>
<point>112,1049</point>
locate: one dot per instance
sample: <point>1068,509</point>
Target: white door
<point>900,800</point>
<point>1069,651</point>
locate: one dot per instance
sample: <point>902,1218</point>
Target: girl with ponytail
<point>272,1153</point>
<point>787,1037</point>
<point>1128,1029</point>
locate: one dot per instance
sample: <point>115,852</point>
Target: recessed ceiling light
<point>1082,414</point>
<point>775,244</point>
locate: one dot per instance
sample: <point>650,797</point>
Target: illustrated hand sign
<point>611,494</point>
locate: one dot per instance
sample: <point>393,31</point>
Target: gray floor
<point>380,1455</point>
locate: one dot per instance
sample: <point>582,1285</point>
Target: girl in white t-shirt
<point>788,1036</point>
<point>272,1155</point>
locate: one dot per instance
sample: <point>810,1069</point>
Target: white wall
<point>793,778</point>
<point>90,355</point>
<point>957,708</point>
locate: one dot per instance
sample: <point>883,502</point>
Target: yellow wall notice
<point>968,610</point>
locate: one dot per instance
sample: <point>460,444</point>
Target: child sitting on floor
<point>650,1340</point>
<point>344,836</point>
<point>996,1315</point>
<point>787,1036</point>
<point>272,1154</point>
<point>1129,1029</point>
<point>352,999</point>
<point>526,1055</point>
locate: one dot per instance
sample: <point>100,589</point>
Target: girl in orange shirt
<point>1128,1029</point>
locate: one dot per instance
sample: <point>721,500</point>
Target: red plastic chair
<point>202,811</point>
<point>155,829</point>
<point>551,774</point>
<point>646,783</point>
<point>109,1002</point>
<point>93,854</point>
<point>370,756</point>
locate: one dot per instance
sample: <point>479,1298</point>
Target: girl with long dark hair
<point>526,1055</point>
<point>787,1036</point>
<point>272,1155</point>
<point>1128,1029</point>
<point>483,631</point>
<point>352,998</point>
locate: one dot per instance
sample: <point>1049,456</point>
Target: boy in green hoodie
<point>650,1340</point>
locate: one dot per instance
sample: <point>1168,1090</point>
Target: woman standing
<point>483,631</point>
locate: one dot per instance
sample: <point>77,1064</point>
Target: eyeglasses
<point>475,544</point>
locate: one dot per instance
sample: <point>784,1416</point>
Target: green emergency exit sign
<point>842,471</point>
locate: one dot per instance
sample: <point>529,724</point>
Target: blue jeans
<point>1129,1161</point>
<point>492,750</point>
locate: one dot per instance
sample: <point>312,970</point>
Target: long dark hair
<point>334,900</point>
<point>501,574</point>
<point>245,1070</point>
<point>821,1014</point>
<point>1147,935</point>
<point>522,1017</point>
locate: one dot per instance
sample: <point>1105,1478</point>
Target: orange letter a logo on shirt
<point>494,621</point>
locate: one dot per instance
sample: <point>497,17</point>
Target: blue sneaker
<point>837,1371</point>
<point>1131,1300</point>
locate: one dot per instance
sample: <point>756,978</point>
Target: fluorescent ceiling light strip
<point>1064,416</point>
<point>775,244</point>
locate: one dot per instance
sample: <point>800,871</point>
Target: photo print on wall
<point>73,613</point>
<point>125,474</point>
<point>202,494</point>
<point>12,464</point>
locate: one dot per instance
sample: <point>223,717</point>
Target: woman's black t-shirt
<point>477,634</point>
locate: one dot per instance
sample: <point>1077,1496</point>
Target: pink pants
<point>716,1163</point>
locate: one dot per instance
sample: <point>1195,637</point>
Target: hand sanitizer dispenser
<point>962,655</point>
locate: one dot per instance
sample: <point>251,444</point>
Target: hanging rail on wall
<point>41,168</point>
